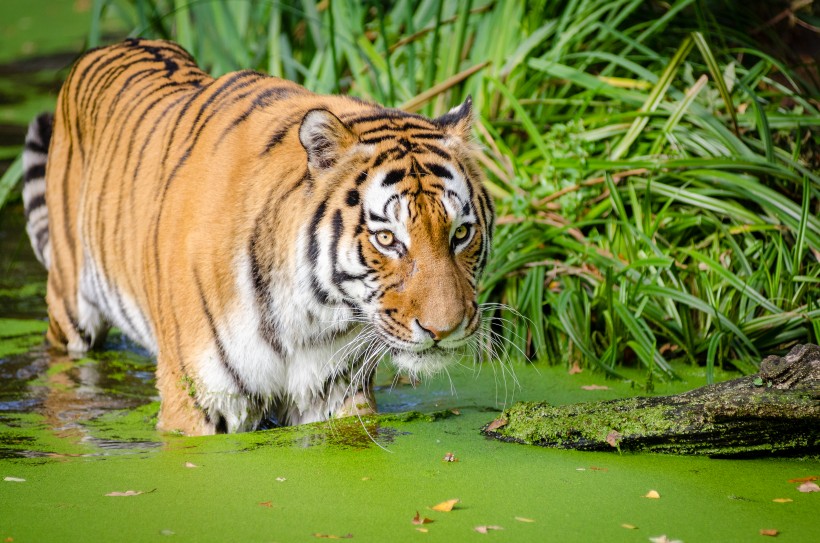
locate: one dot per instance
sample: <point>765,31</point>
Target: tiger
<point>268,245</point>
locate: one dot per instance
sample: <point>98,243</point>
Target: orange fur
<point>164,186</point>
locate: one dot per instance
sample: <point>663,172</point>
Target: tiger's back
<point>208,219</point>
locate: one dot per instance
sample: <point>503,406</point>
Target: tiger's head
<point>407,227</point>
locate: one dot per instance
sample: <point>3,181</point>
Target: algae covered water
<point>78,448</point>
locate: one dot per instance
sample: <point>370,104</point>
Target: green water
<point>76,430</point>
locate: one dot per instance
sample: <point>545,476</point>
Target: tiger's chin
<point>426,362</point>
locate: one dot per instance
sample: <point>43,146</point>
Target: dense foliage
<point>655,167</point>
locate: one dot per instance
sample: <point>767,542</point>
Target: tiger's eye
<point>461,232</point>
<point>385,238</point>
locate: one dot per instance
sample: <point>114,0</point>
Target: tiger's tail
<point>35,156</point>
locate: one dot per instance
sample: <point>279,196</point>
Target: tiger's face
<point>411,230</point>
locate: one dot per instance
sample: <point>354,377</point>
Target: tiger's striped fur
<point>268,244</point>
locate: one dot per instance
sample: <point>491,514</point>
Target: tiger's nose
<point>437,333</point>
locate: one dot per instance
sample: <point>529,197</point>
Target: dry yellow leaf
<point>524,519</point>
<point>653,494</point>
<point>445,506</point>
<point>629,526</point>
<point>782,500</point>
<point>190,465</point>
<point>422,530</point>
<point>126,493</point>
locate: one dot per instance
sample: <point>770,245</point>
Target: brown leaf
<point>450,457</point>
<point>595,387</point>
<point>770,532</point>
<point>126,493</point>
<point>266,504</point>
<point>782,500</point>
<point>629,526</point>
<point>576,368</point>
<point>497,423</point>
<point>613,438</point>
<point>808,479</point>
<point>331,536</point>
<point>653,494</point>
<point>809,487</point>
<point>594,468</point>
<point>524,519</point>
<point>485,529</point>
<point>418,519</point>
<point>445,506</point>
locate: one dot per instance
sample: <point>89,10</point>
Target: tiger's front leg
<point>179,410</point>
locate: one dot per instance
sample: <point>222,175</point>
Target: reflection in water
<point>71,395</point>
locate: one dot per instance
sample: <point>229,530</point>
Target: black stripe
<point>393,177</point>
<point>313,253</point>
<point>36,171</point>
<point>260,277</point>
<point>220,347</point>
<point>438,170</point>
<point>279,136</point>
<point>437,150</point>
<point>34,203</point>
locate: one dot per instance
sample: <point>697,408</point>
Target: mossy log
<point>776,412</point>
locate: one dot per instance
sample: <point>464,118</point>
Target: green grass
<point>656,172</point>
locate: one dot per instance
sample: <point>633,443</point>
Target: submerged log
<point>776,412</point>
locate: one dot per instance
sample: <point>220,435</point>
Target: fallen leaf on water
<point>190,465</point>
<point>497,423</point>
<point>770,532</point>
<point>653,494</point>
<point>445,506</point>
<point>664,539</point>
<point>9,540</point>
<point>422,530</point>
<point>809,487</point>
<point>593,468</point>
<point>365,478</point>
<point>14,479</point>
<point>167,532</point>
<point>126,493</point>
<point>331,536</point>
<point>576,368</point>
<point>524,519</point>
<point>455,411</point>
<point>281,479</point>
<point>485,529</point>
<point>629,526</point>
<point>782,500</point>
<point>450,457</point>
<point>613,438</point>
<point>808,479</point>
<point>418,519</point>
<point>595,387</point>
<point>266,504</point>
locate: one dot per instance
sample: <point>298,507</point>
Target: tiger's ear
<point>459,120</point>
<point>324,137</point>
